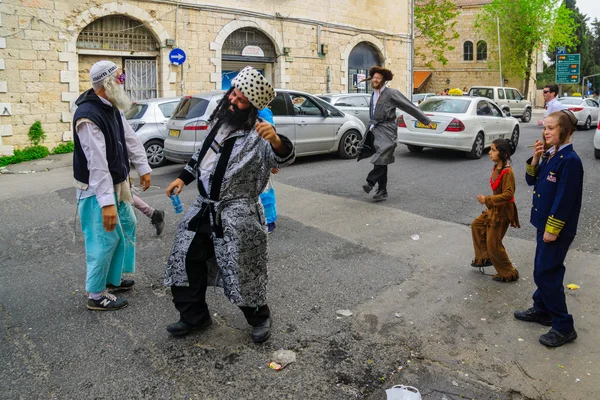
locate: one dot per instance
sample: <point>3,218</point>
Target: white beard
<point>116,94</point>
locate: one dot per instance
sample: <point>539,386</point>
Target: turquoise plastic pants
<point>107,254</point>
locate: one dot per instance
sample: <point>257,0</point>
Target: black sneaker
<point>367,187</point>
<point>380,195</point>
<point>108,302</point>
<point>158,221</point>
<point>181,328</point>
<point>126,284</point>
<point>556,339</point>
<point>532,315</point>
<point>261,332</point>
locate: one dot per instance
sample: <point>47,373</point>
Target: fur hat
<point>255,87</point>
<point>386,73</point>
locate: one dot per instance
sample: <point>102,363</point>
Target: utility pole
<point>499,52</point>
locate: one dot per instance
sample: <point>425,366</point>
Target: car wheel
<point>414,149</point>
<point>515,136</point>
<point>349,143</point>
<point>155,153</point>
<point>477,149</point>
<point>597,154</point>
<point>526,117</point>
<point>588,123</point>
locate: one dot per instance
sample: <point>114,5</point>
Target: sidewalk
<point>53,161</point>
<point>455,316</point>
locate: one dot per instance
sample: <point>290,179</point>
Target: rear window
<point>190,107</point>
<point>136,111</point>
<point>482,92</point>
<point>570,101</point>
<point>445,105</point>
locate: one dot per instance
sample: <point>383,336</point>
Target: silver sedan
<point>586,110</point>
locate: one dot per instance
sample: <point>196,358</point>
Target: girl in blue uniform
<point>556,173</point>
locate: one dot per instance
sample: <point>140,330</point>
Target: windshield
<point>482,92</point>
<point>190,107</point>
<point>136,111</point>
<point>324,98</point>
<point>570,101</point>
<point>445,105</point>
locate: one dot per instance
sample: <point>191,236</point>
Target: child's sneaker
<point>158,221</point>
<point>108,302</point>
<point>270,227</point>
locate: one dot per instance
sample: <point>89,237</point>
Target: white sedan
<point>469,124</point>
<point>586,110</point>
<point>597,142</point>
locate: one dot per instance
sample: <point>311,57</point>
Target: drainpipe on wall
<point>328,79</point>
<point>411,64</point>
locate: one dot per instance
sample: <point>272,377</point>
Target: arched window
<point>481,50</point>
<point>362,57</point>
<point>468,51</point>
<point>234,45</point>
<point>116,32</point>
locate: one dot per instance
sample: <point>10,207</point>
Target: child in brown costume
<point>489,228</point>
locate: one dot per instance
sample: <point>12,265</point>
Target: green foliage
<point>64,148</point>
<point>36,133</point>
<point>27,154</point>
<point>435,22</point>
<point>526,27</point>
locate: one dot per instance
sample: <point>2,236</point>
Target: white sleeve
<point>94,147</point>
<point>135,149</point>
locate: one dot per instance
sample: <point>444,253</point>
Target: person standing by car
<point>556,173</point>
<point>489,228</point>
<point>223,233</point>
<point>550,94</point>
<point>381,139</point>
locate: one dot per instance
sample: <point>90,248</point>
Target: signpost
<point>567,68</point>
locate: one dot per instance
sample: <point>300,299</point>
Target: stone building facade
<point>48,46</point>
<point>474,60</point>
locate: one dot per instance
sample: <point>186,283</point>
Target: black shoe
<point>126,284</point>
<point>108,302</point>
<point>532,315</point>
<point>555,338</point>
<point>261,332</point>
<point>367,187</point>
<point>380,195</point>
<point>181,328</point>
<point>158,221</point>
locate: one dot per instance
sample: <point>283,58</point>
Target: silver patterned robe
<point>241,252</point>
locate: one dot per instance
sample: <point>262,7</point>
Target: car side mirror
<point>328,113</point>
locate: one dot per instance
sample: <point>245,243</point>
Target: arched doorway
<point>247,46</point>
<point>128,44</point>
<point>362,57</point>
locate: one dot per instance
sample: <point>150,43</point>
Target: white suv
<point>509,99</point>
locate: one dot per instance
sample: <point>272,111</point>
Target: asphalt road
<point>332,250</point>
<point>443,184</point>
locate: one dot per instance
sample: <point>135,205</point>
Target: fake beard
<point>236,117</point>
<point>116,95</point>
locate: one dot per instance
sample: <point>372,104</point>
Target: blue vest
<point>108,119</point>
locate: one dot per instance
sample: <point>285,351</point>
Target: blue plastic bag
<point>267,198</point>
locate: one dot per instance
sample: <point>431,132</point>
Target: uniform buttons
<point>534,192</point>
<point>538,195</point>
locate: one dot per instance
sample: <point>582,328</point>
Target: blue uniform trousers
<point>548,274</point>
<point>107,254</point>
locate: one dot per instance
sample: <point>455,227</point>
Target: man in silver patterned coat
<point>223,234</point>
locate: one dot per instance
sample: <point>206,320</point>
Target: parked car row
<point>173,128</point>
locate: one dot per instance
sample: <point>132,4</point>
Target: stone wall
<point>42,72</point>
<point>467,73</point>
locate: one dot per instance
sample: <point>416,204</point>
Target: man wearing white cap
<point>223,234</point>
<point>104,146</point>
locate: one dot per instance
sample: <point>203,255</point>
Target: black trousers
<point>378,175</point>
<point>190,300</point>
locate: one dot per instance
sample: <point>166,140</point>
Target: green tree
<point>526,27</point>
<point>435,22</point>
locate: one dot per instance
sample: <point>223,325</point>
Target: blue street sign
<point>561,50</point>
<point>177,56</point>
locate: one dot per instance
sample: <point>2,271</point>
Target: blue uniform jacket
<point>558,186</point>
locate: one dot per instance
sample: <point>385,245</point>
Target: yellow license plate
<point>422,125</point>
<point>174,132</point>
